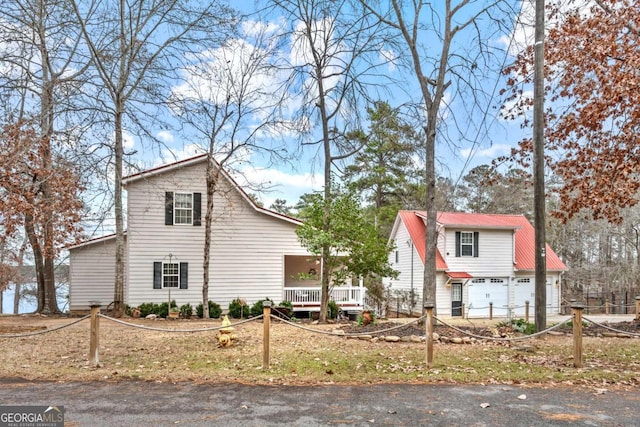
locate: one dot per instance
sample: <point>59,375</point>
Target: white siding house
<point>255,253</point>
<point>482,260</point>
<point>92,269</point>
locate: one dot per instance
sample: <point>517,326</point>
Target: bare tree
<point>441,66</point>
<point>229,102</point>
<point>334,54</point>
<point>40,65</point>
<point>135,48</point>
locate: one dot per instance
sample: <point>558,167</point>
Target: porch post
<point>362,290</point>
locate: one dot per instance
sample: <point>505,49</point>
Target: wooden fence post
<point>429,306</point>
<point>577,334</point>
<point>265,334</point>
<point>526,311</point>
<point>638,307</point>
<point>606,306</point>
<point>94,339</point>
<point>462,310</point>
<point>490,311</point>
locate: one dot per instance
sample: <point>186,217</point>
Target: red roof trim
<point>459,275</point>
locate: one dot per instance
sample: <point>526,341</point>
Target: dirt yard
<point>302,356</point>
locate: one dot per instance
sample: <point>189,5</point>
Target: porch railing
<point>309,298</point>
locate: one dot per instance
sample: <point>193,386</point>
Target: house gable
<point>166,210</point>
<point>487,259</point>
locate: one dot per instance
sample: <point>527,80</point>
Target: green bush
<point>161,310</point>
<point>286,304</point>
<point>374,319</point>
<point>148,308</point>
<point>186,310</point>
<point>333,310</point>
<point>238,309</point>
<point>519,325</point>
<point>258,308</point>
<point>214,310</point>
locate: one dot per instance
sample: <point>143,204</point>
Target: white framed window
<point>466,244</point>
<point>170,275</point>
<point>183,208</point>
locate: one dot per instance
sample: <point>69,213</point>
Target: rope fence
<point>429,322</point>
<point>45,331</point>
<point>151,328</point>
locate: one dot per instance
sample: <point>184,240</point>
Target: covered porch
<point>302,286</point>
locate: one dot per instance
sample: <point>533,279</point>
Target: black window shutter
<point>475,244</point>
<point>168,208</point>
<point>457,243</point>
<point>184,275</point>
<point>197,208</point>
<point>157,275</point>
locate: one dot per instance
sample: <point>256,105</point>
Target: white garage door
<point>483,291</point>
<point>525,290</point>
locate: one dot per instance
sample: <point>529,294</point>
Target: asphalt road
<point>133,403</point>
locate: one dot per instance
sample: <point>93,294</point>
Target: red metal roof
<point>459,275</point>
<point>524,235</point>
<point>416,228</point>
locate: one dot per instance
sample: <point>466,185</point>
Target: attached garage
<point>482,291</point>
<point>525,290</point>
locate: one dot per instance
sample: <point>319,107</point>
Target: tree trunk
<point>19,277</point>
<point>212,179</point>
<point>38,261</point>
<point>50,300</point>
<point>16,298</point>
<point>118,289</point>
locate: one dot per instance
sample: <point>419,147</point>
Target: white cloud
<point>279,184</point>
<point>389,57</point>
<point>174,155</point>
<point>488,153</point>
<point>523,33</point>
<point>165,136</point>
<point>512,109</point>
<point>252,28</point>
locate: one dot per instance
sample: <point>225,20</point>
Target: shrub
<point>186,310</point>
<point>238,309</point>
<point>258,308</point>
<point>163,310</point>
<point>214,310</point>
<point>287,304</point>
<point>333,310</point>
<point>519,325</point>
<point>361,318</point>
<point>148,308</point>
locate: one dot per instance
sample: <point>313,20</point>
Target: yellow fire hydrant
<point>225,335</point>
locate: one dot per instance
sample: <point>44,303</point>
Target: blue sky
<point>290,180</point>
